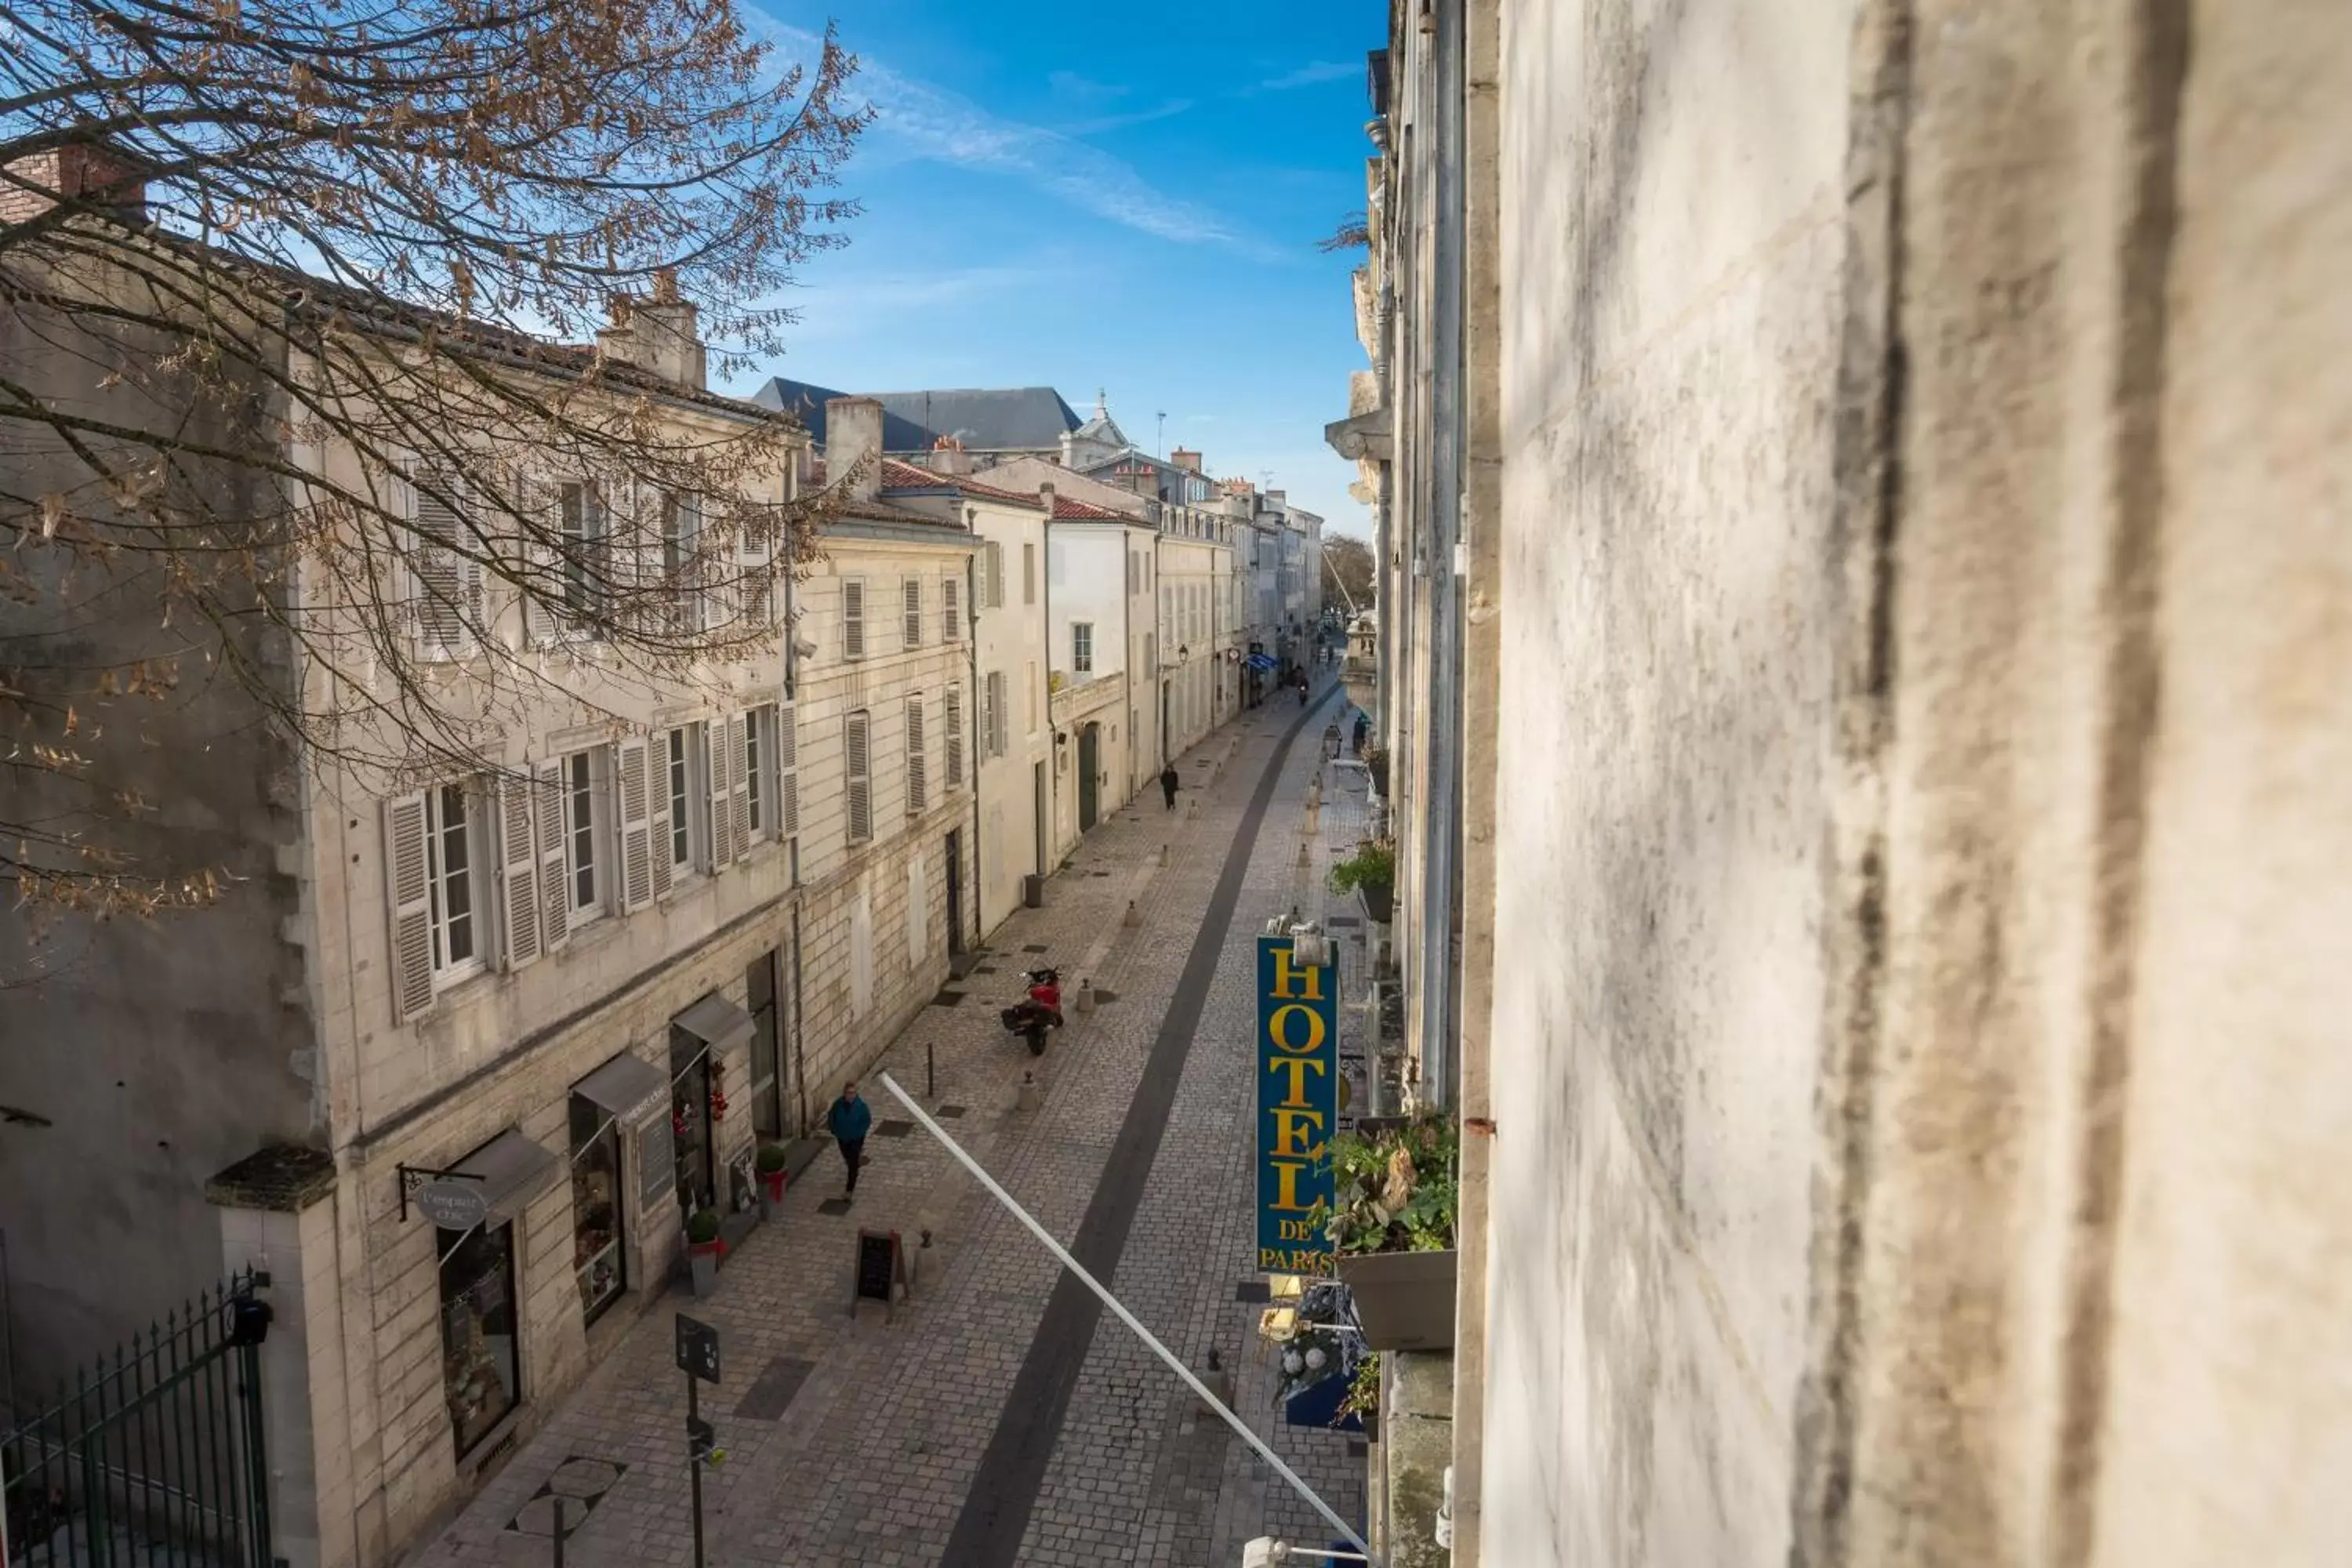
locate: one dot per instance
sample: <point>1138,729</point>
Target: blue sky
<point>1116,197</point>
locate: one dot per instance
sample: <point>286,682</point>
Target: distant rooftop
<point>1000,420</point>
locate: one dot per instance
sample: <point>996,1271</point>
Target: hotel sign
<point>1297,1105</point>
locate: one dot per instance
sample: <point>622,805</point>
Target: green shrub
<point>702,1228</point>
<point>1374,865</point>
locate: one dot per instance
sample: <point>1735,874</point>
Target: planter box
<point>1404,1300</point>
<point>1379,902</point>
<point>702,1263</point>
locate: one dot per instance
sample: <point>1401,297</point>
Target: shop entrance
<point>689,1120</point>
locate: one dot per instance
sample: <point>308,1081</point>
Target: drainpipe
<point>1158,597</point>
<point>975,754</point>
<point>1049,853</point>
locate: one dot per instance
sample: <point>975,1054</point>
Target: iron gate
<point>154,1458</point>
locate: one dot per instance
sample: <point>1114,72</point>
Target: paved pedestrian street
<point>999,1415</point>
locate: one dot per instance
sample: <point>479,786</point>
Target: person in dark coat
<point>1168,782</point>
<point>848,1122</point>
<point>1363,729</point>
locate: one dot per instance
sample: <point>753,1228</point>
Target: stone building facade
<point>1861,494</point>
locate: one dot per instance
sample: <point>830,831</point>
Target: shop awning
<point>512,1170</point>
<point>621,1085</point>
<point>715,1022</point>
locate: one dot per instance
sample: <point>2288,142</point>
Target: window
<point>952,608</point>
<point>1028,574</point>
<point>585,529</point>
<point>480,1371</point>
<point>910,595</point>
<point>952,735</point>
<point>684,760</point>
<point>681,565</point>
<point>852,618</point>
<point>584,875</point>
<point>918,760</point>
<point>457,934</point>
<point>992,587</point>
<point>856,763</point>
<point>994,720</point>
<point>1082,647</point>
<point>597,1206</point>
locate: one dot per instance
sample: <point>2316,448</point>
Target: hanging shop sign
<point>1297,1105</point>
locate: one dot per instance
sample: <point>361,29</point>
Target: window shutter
<point>408,895</point>
<point>534,515</point>
<point>788,772</point>
<point>995,575</point>
<point>445,587</point>
<point>756,554</point>
<point>951,727</point>
<point>951,611</point>
<point>1028,574</point>
<point>854,737</point>
<point>519,868</point>
<point>918,760</point>
<point>636,828</point>
<point>739,791</point>
<point>657,813</point>
<point>555,887</point>
<point>852,618</point>
<point>911,594</point>
<point>715,752</point>
<point>991,692</point>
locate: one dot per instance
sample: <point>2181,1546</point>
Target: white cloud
<point>1313,74</point>
<point>917,121</point>
<point>862,302</point>
<point>1173,107</point>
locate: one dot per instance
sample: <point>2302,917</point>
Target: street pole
<point>558,1501</point>
<point>694,1458</point>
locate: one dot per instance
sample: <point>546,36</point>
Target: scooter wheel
<point>1037,1045</point>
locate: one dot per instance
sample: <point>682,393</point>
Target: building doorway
<point>759,990</point>
<point>955,893</point>
<point>1089,774</point>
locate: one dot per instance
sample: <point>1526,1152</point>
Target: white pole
<point>1175,1364</point>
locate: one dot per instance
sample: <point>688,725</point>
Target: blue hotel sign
<point>1297,1104</point>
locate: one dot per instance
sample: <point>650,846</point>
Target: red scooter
<point>1041,1012</point>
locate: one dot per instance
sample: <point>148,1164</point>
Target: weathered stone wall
<point>146,1054</point>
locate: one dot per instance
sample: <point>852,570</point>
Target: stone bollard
<point>1032,1098</point>
<point>1133,917</point>
<point>1219,1379</point>
<point>1084,1000</point>
<point>1163,854</point>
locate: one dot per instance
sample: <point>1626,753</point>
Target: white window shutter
<point>852,618</point>
<point>518,870</point>
<point>911,597</point>
<point>952,607</point>
<point>554,885</point>
<point>636,827</point>
<point>757,558</point>
<point>918,760</point>
<point>952,735</point>
<point>715,751</point>
<point>445,585</point>
<point>856,736</point>
<point>408,897</point>
<point>657,793</point>
<point>739,792</point>
<point>995,575</point>
<point>788,770</point>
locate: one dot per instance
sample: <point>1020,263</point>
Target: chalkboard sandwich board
<point>881,1265</point>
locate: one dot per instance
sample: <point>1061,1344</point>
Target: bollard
<point>1163,854</point>
<point>1133,917</point>
<point>1032,1098</point>
<point>1086,996</point>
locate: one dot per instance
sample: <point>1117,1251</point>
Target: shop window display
<point>596,1240</point>
<point>480,1368</point>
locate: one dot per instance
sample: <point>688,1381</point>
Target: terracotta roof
<point>897,475</point>
<point>1086,512</point>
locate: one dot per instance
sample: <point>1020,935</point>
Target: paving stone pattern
<point>872,1458</point>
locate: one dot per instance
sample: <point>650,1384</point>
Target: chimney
<point>656,334</point>
<point>1045,498</point>
<point>948,456</point>
<point>853,434</point>
<point>80,171</point>
<point>1186,459</point>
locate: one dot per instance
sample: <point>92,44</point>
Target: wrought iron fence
<point>152,1458</point>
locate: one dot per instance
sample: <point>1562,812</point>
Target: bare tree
<point>1349,562</point>
<point>1354,233</point>
<point>341,342</point>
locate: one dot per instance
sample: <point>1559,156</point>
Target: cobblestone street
<point>996,1416</point>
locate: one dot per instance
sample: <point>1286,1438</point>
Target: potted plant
<point>1363,1401</point>
<point>1370,874</point>
<point>771,1181</point>
<point>704,1248</point>
<point>1390,1221</point>
<point>1376,763</point>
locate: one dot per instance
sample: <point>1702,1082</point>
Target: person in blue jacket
<point>847,1122</point>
